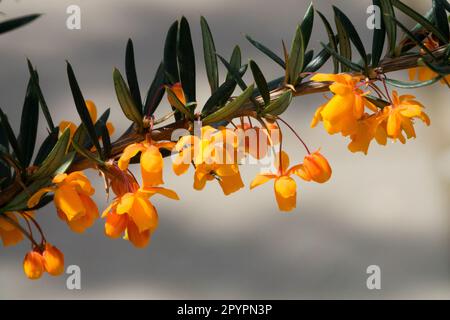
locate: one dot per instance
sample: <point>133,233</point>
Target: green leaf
<point>420,19</point>
<point>345,48</point>
<point>80,104</point>
<point>412,84</point>
<point>379,103</point>
<point>14,23</point>
<point>307,24</point>
<point>233,72</point>
<point>332,40</point>
<point>87,154</point>
<point>221,95</point>
<point>266,51</point>
<point>308,57</point>
<point>130,70</point>
<point>20,201</point>
<point>442,70</point>
<point>260,81</point>
<point>28,125</point>
<point>55,158</point>
<point>170,54</point>
<point>229,109</point>
<point>235,62</point>
<point>350,30</point>
<point>296,56</point>
<point>441,17</point>
<point>46,147</point>
<point>342,60</point>
<point>10,135</point>
<point>126,102</point>
<point>280,105</point>
<point>186,60</point>
<point>316,63</point>
<point>5,171</point>
<point>379,36</point>
<point>43,104</point>
<point>65,163</point>
<point>209,53</point>
<point>155,92</point>
<point>388,13</point>
<point>177,104</point>
<point>106,140</point>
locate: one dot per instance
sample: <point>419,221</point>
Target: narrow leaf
<point>388,13</point>
<point>229,109</point>
<point>296,56</point>
<point>155,92</point>
<point>307,24</point>
<point>177,104</point>
<point>170,53</point>
<point>15,23</point>
<point>260,81</point>
<point>209,53</point>
<point>266,51</point>
<point>46,147</point>
<point>342,60</point>
<point>10,135</point>
<point>80,104</point>
<point>379,35</point>
<point>130,69</point>
<point>332,40</point>
<point>441,17</point>
<point>280,105</point>
<point>186,60</point>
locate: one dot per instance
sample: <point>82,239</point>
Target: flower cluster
<point>352,112</point>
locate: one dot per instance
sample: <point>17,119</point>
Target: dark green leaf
<point>332,40</point>
<point>266,51</point>
<point>260,81</point>
<point>130,69</point>
<point>296,56</point>
<point>44,107</point>
<point>233,72</point>
<point>307,25</point>
<point>441,17</point>
<point>5,171</point>
<point>10,135</point>
<point>46,147</point>
<point>170,53</point>
<point>420,19</point>
<point>126,102</point>
<point>156,91</point>
<point>345,48</point>
<point>280,105</point>
<point>20,201</point>
<point>342,60</point>
<point>209,53</point>
<point>379,35</point>
<point>28,125</point>
<point>14,23</point>
<point>315,64</point>
<point>388,13</point>
<point>55,158</point>
<point>106,141</point>
<point>221,95</point>
<point>308,57</point>
<point>413,38</point>
<point>80,104</point>
<point>229,109</point>
<point>87,154</point>
<point>352,33</point>
<point>186,60</point>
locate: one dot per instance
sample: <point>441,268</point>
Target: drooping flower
<point>9,234</point>
<point>72,198</point>
<point>341,112</point>
<point>33,265</point>
<point>53,260</point>
<point>92,109</point>
<point>315,167</point>
<point>368,127</point>
<point>214,156</point>
<point>401,114</point>
<point>255,141</point>
<point>151,160</point>
<point>134,215</point>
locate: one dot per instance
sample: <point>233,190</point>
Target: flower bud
<point>53,260</point>
<point>33,265</point>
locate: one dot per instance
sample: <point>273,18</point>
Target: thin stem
<point>295,133</point>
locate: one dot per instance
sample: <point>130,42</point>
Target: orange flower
<point>53,260</point>
<point>284,186</point>
<point>92,109</point>
<point>151,160</point>
<point>133,214</point>
<point>9,234</point>
<point>347,105</point>
<point>33,265</point>
<point>214,156</point>
<point>315,167</point>
<point>400,116</point>
<point>368,127</point>
<point>255,141</point>
<point>72,200</point>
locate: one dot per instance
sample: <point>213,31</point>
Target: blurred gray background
<point>390,208</point>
